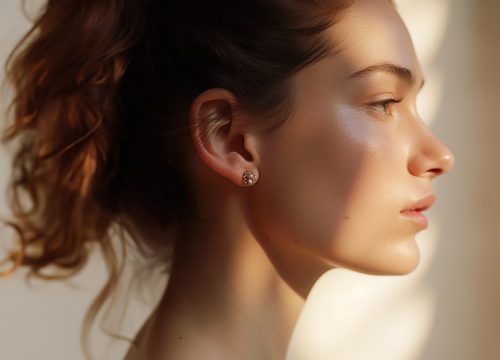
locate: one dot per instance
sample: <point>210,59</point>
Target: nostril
<point>436,172</point>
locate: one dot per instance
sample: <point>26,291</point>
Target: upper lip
<point>423,204</point>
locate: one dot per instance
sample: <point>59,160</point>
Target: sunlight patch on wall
<point>356,316</point>
<point>430,98</point>
<point>427,21</point>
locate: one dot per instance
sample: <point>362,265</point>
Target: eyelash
<point>382,107</point>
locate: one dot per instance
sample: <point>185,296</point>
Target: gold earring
<point>249,178</point>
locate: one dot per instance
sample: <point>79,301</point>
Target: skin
<point>333,180</point>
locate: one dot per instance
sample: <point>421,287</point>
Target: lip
<point>414,211</point>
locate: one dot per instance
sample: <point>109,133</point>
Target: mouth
<point>414,211</point>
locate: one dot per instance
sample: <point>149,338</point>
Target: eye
<point>384,107</point>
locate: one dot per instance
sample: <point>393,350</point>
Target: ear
<point>220,136</point>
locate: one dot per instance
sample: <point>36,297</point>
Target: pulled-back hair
<point>102,93</point>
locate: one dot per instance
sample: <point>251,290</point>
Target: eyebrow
<point>399,71</point>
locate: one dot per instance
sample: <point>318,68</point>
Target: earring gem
<point>249,177</point>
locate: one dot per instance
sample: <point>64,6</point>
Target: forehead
<point>372,32</point>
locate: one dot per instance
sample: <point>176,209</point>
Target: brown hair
<point>102,92</point>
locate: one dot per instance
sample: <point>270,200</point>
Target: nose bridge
<point>428,156</point>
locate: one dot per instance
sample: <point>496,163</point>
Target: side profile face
<point>343,179</point>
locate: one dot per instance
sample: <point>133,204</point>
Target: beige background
<point>447,309</point>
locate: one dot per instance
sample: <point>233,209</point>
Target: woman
<point>264,141</point>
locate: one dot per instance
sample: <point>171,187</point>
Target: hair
<point>102,90</point>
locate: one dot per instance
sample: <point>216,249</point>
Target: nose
<point>429,156</point>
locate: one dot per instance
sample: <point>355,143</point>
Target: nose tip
<point>441,165</point>
<point>448,161</point>
<point>432,158</point>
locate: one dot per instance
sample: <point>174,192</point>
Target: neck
<point>224,298</point>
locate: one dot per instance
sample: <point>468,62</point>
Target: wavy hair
<point>99,118</point>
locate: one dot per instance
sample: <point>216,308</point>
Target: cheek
<point>309,175</point>
<point>372,238</point>
<point>331,186</point>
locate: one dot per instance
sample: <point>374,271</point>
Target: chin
<point>405,268</point>
<point>400,261</point>
<point>401,269</point>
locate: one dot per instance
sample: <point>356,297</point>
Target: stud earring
<point>249,178</point>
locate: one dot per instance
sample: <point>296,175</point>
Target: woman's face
<point>340,178</point>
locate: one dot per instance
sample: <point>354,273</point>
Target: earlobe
<point>220,137</point>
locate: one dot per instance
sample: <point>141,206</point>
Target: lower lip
<point>417,217</point>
